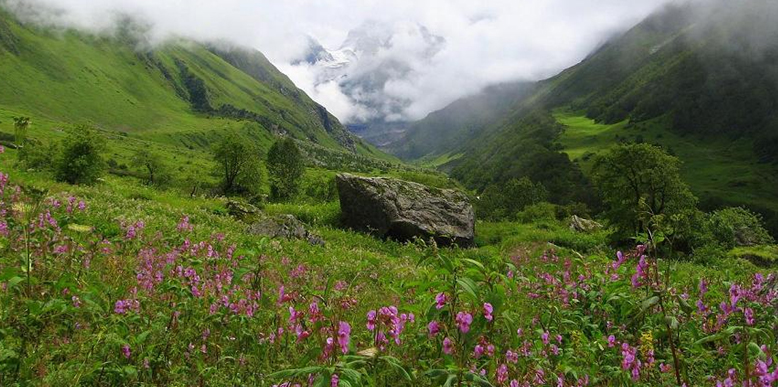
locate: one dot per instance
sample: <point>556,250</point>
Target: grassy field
<point>722,169</point>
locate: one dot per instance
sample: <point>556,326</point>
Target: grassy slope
<point>65,77</point>
<point>723,169</point>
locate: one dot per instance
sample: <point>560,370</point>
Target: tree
<point>151,163</point>
<point>504,201</point>
<point>81,160</point>
<point>239,165</point>
<point>21,124</point>
<point>638,182</point>
<point>285,163</point>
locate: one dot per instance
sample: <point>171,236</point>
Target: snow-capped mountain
<point>372,58</point>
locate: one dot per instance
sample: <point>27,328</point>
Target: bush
<point>35,155</point>
<point>81,160</point>
<point>537,213</point>
<point>286,167</point>
<point>737,226</point>
<point>504,201</point>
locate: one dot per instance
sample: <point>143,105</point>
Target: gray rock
<point>283,226</point>
<point>583,225</point>
<point>242,210</point>
<point>403,210</point>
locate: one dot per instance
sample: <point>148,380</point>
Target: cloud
<point>486,42</point>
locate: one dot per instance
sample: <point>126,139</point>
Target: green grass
<point>722,169</point>
<point>67,77</point>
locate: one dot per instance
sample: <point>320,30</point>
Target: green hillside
<point>701,83</point>
<point>180,93</point>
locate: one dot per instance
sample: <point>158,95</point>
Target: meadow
<point>124,284</point>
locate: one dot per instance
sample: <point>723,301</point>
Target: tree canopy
<point>636,180</point>
<point>286,167</point>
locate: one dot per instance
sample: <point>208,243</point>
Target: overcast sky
<point>487,41</point>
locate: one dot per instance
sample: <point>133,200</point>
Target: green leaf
<point>469,287</point>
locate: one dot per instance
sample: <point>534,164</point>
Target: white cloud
<point>486,41</point>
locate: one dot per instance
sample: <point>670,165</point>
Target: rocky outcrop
<point>283,226</point>
<point>403,210</point>
<point>279,226</point>
<point>583,225</point>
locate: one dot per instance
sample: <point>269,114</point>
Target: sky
<point>486,41</point>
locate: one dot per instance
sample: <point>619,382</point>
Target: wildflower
<point>640,272</point>
<point>544,337</point>
<point>611,341</point>
<point>488,309</point>
<point>76,301</point>
<point>464,320</point>
<point>749,315</point>
<point>344,336</point>
<point>440,301</point>
<point>433,327</point>
<point>448,346</point>
<point>183,225</point>
<point>478,351</point>
<point>126,351</point>
<point>371,320</point>
<point>512,357</point>
<point>334,381</point>
<point>502,373</point>
<point>701,306</point>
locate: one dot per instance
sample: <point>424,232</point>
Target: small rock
<point>579,224</point>
<point>283,226</point>
<point>242,211</point>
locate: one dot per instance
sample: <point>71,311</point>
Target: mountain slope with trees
<point>699,81</point>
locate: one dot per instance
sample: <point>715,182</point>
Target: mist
<point>484,42</point>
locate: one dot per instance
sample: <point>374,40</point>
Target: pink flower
<point>502,374</point>
<point>433,327</point>
<point>611,341</point>
<point>544,337</point>
<point>344,336</point>
<point>334,381</point>
<point>464,320</point>
<point>371,320</point>
<point>488,309</point>
<point>512,357</point>
<point>478,351</point>
<point>440,301</point>
<point>126,351</point>
<point>448,346</point>
<point>749,314</point>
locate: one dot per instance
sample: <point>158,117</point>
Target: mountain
<point>460,122</point>
<point>179,92</point>
<point>700,80</point>
<point>373,55</point>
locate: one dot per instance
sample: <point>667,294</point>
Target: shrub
<point>35,155</point>
<point>504,201</point>
<point>81,160</point>
<point>737,226</point>
<point>539,212</point>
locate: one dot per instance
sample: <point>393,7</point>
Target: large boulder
<point>403,210</point>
